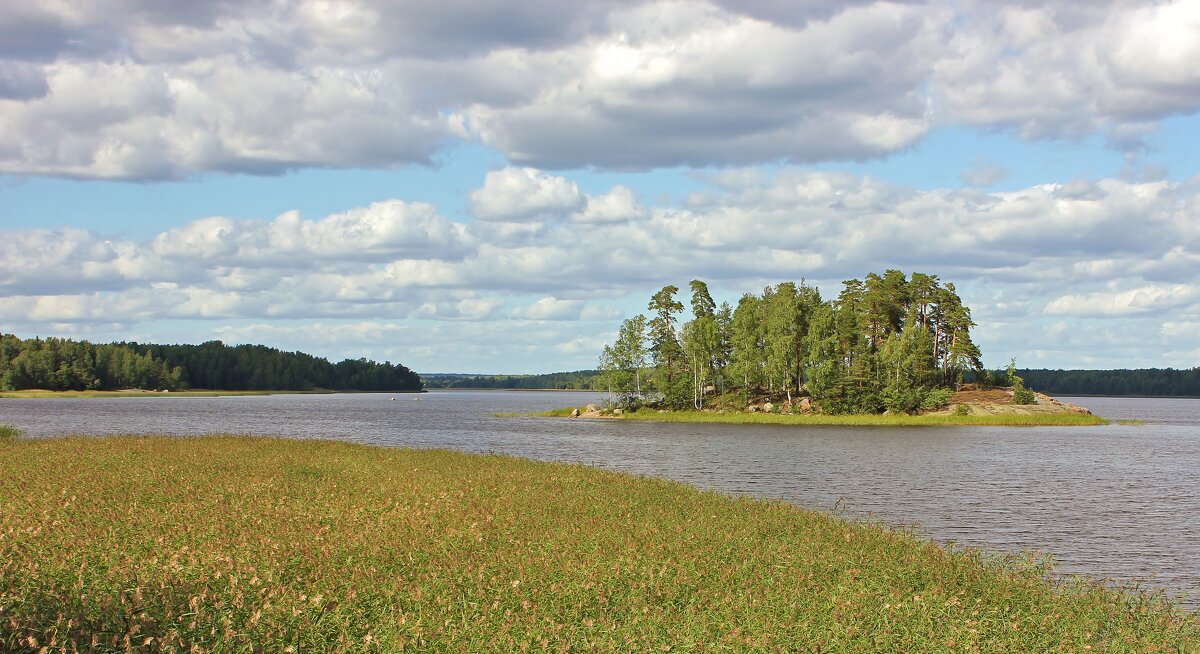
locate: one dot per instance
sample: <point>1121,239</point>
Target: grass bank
<point>38,393</point>
<point>238,544</point>
<point>998,420</point>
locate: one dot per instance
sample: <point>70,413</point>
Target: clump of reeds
<point>240,544</point>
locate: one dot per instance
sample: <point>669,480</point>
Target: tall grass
<point>861,420</point>
<point>9,432</point>
<point>261,545</point>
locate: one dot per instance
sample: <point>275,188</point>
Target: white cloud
<point>1106,257</point>
<point>113,89</point>
<point>552,308</point>
<point>1069,71</point>
<point>1134,301</point>
<point>617,205</point>
<point>524,194</point>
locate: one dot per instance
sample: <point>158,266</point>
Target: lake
<point>1114,502</point>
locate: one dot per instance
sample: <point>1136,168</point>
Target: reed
<point>235,544</point>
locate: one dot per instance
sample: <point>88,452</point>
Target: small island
<point>889,349</point>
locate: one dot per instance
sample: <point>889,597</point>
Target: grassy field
<point>226,544</point>
<point>134,392</point>
<point>998,420</point>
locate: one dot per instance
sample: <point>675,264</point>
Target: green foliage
<point>902,399</point>
<point>174,543</point>
<point>735,400</point>
<point>884,344</point>
<point>1021,395</point>
<point>59,364</point>
<point>664,341</point>
<point>9,432</point>
<point>675,393</point>
<point>935,398</point>
<point>65,365</point>
<point>962,410</point>
<point>622,365</point>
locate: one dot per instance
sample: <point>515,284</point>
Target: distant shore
<point>198,392</point>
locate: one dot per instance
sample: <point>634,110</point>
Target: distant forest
<point>60,364</point>
<point>580,380</point>
<point>1151,382</point>
<point>1146,381</point>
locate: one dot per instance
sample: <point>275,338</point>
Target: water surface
<point>1112,502</point>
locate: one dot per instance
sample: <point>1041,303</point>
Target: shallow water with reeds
<point>1111,502</point>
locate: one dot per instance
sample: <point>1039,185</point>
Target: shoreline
<point>616,559</point>
<point>198,392</point>
<point>852,420</point>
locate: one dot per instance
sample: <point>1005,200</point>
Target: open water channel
<point>1115,502</point>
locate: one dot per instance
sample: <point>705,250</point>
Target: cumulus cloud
<point>520,195</point>
<point>1025,259</point>
<point>617,205</point>
<point>117,89</point>
<point>552,308</point>
<point>1069,70</point>
<point>523,194</point>
<point>1144,299</point>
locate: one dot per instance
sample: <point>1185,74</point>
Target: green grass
<point>9,432</point>
<point>38,393</point>
<point>231,544</point>
<point>857,420</point>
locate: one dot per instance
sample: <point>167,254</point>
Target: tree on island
<point>886,343</point>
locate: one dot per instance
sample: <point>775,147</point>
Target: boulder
<point>574,413</point>
<point>591,408</point>
<point>618,411</point>
<point>768,407</point>
<point>805,405</point>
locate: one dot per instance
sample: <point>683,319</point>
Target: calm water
<point>1114,502</point>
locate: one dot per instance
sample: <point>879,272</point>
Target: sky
<point>470,186</point>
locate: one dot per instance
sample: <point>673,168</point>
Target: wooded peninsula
<point>59,364</point>
<point>887,343</point>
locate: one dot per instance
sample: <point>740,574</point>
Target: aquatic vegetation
<point>240,544</point>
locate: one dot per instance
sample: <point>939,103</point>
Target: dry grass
<point>230,544</point>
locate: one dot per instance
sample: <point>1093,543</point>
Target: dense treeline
<point>1147,381</point>
<point>580,380</point>
<point>887,342</point>
<point>1150,381</point>
<point>61,364</point>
